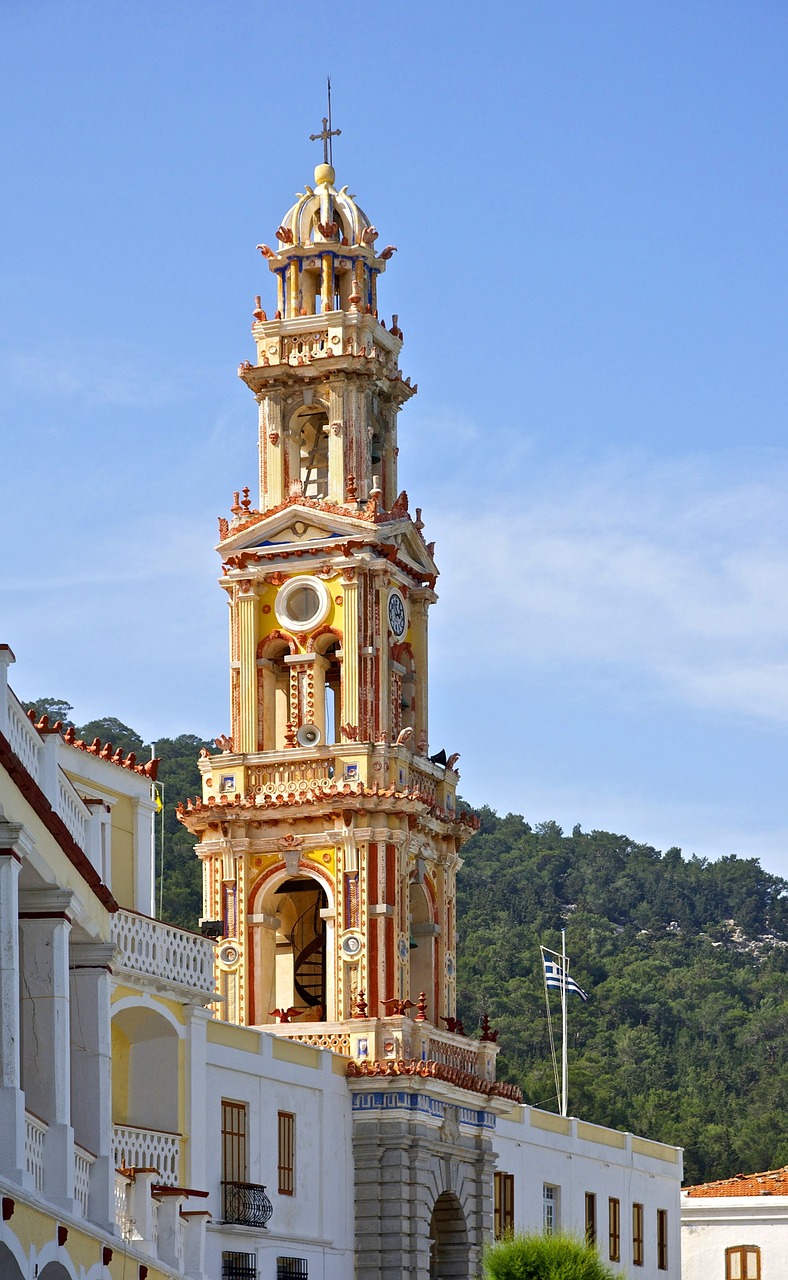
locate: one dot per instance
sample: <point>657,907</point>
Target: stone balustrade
<point>162,951</point>
<point>35,1132</point>
<point>136,1148</point>
<point>83,1161</point>
<point>321,1035</point>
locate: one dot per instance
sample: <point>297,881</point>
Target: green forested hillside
<point>685,961</point>
<point>685,1034</point>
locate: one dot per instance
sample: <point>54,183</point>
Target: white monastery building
<point>286,1094</point>
<point>737,1228</point>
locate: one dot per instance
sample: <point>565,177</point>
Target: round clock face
<point>397,620</point>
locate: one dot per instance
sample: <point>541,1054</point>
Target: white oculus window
<point>302,604</point>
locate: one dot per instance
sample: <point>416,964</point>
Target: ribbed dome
<point>324,207</point>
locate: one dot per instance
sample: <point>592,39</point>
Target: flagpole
<point>564,1060</point>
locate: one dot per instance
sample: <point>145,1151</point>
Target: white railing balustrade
<point>72,810</point>
<point>24,739</point>
<point>163,951</point>
<point>122,1215</point>
<point>35,1131</point>
<point>148,1149</point>
<point>82,1162</point>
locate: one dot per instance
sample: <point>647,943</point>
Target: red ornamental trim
<point>104,751</point>
<point>437,1071</point>
<point>276,636</point>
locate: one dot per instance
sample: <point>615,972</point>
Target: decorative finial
<point>327,133</point>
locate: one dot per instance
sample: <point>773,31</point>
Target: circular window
<point>302,603</point>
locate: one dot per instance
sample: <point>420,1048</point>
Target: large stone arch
<point>145,1068</point>
<point>449,1244</point>
<point>420,1182</point>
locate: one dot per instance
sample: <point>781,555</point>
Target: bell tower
<point>329,834</point>
<point>328,831</point>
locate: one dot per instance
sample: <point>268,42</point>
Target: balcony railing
<point>35,1132</point>
<point>24,740</point>
<point>82,1163</point>
<point>163,951</point>
<point>246,1204</point>
<point>148,1149</point>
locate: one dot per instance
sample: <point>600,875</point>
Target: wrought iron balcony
<point>246,1204</point>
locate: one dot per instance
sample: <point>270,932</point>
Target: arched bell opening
<point>309,429</point>
<point>298,984</point>
<point>275,693</point>
<point>449,1247</point>
<point>407,686</point>
<point>329,646</point>
<point>422,947</point>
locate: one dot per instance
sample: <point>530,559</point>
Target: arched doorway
<point>449,1250</point>
<point>52,1271</point>
<point>9,1267</point>
<point>300,947</point>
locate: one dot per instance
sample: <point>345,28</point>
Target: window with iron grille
<point>614,1229</point>
<point>637,1235</point>
<point>662,1239</point>
<point>743,1262</point>
<point>286,1154</point>
<point>291,1269</point>
<point>590,1218</point>
<point>234,1117</point>
<point>504,1204</point>
<point>239,1266</point>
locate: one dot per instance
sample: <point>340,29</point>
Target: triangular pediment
<point>294,525</point>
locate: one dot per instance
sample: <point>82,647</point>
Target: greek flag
<point>555,978</point>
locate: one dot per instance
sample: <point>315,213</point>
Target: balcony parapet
<point>153,1150</point>
<point>170,956</point>
<point>320,1035</point>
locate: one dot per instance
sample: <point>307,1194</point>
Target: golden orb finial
<point>324,173</point>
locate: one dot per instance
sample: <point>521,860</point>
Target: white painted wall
<point>710,1225</point>
<point>583,1160</point>
<point>317,1222</point>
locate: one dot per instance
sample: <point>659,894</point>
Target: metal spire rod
<point>327,133</point>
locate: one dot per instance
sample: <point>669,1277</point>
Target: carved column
<point>350,658</point>
<point>91,982</point>
<point>336,445</point>
<point>46,1034</point>
<point>12,1099</point>
<point>246,739</point>
<point>271,451</point>
<point>419,604</point>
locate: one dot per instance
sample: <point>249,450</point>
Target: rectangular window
<point>549,1209</point>
<point>590,1218</point>
<point>614,1229</point>
<point>286,1153</point>
<point>239,1266</point>
<point>504,1204</point>
<point>743,1262</point>
<point>662,1239</point>
<point>234,1167</point>
<point>637,1234</point>
<point>291,1269</point>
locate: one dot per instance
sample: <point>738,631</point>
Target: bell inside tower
<point>310,432</point>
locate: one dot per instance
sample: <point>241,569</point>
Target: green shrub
<point>538,1257</point>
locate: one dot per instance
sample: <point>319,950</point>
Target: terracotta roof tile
<point>774,1182</point>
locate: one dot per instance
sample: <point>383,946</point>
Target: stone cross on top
<point>326,133</point>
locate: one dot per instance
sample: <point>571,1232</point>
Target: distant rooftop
<point>774,1182</point>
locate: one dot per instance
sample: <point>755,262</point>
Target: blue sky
<point>589,204</point>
